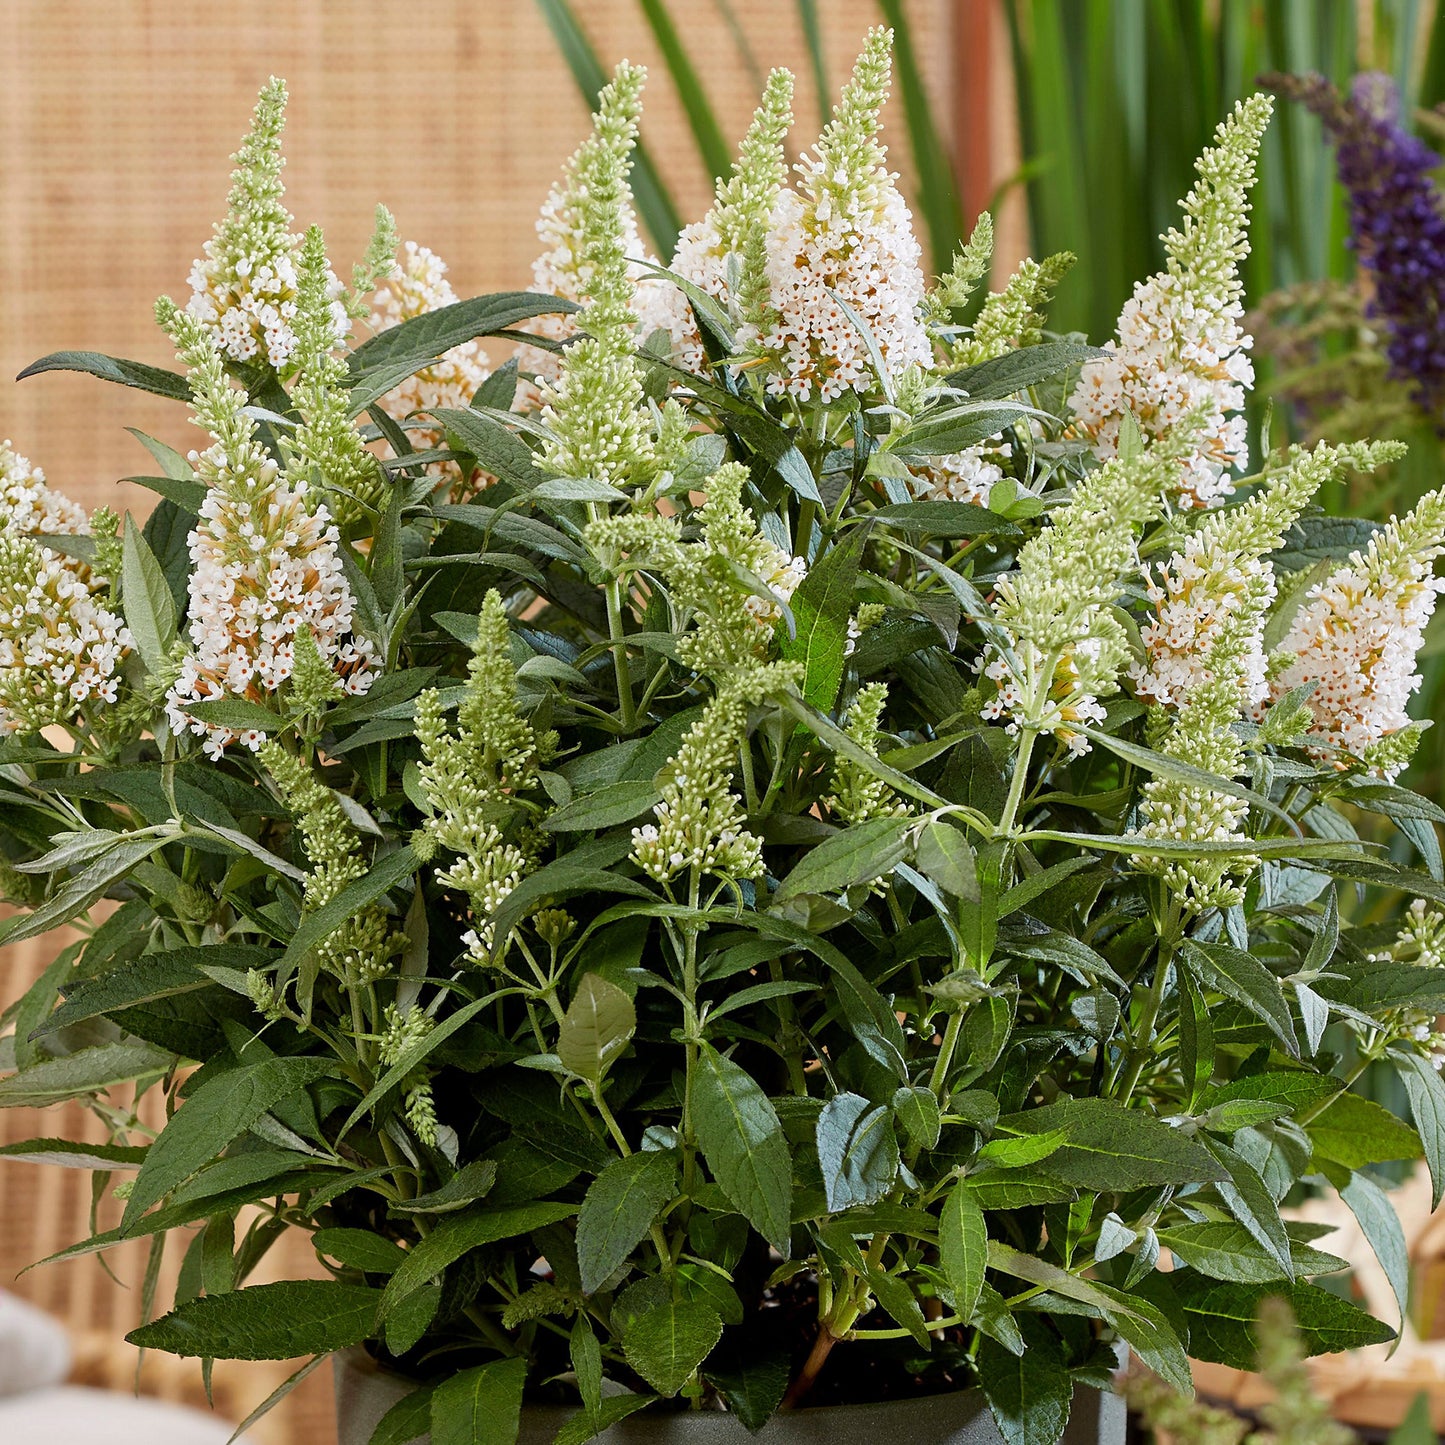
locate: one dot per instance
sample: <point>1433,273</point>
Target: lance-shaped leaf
<point>598,1025</point>
<point>742,1140</point>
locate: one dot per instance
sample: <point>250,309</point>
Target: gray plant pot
<point>364,1393</point>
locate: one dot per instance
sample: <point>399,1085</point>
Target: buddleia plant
<point>805,840</point>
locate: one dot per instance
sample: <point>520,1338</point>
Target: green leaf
<point>71,1155</point>
<point>239,714</point>
<point>821,608</point>
<point>1005,1189</point>
<point>944,519</point>
<point>742,1139</point>
<point>944,856</point>
<point>1376,1216</point>
<point>1243,978</point>
<point>857,1151</point>
<point>617,1211</point>
<point>1227,1251</point>
<point>150,612</point>
<point>1355,1131</point>
<point>427,337</point>
<point>753,1386</point>
<point>480,1406</point>
<point>151,976</point>
<point>1112,1149</point>
<point>1016,371</point>
<point>1138,1321</point>
<point>1416,1428</point>
<point>114,368</point>
<point>222,1109</point>
<point>952,427</point>
<point>1222,1316</point>
<point>384,873</point>
<point>459,1234</point>
<point>963,1249</point>
<point>1297,1089</point>
<point>917,1110</point>
<point>497,448</point>
<point>598,1026</point>
<point>1029,1395</point>
<point>859,853</point>
<point>1015,1152</point>
<point>1426,1092</point>
<point>1250,1201</point>
<point>668,1342</point>
<point>266,1322</point>
<point>407,1421</point>
<point>86,887</point>
<point>1315,539</point>
<point>470,1183</point>
<point>362,1249</point>
<point>579,1428</point>
<point>87,1071</point>
<point>605,807</point>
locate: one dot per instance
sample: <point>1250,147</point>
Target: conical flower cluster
<point>1064,648</point>
<point>1222,580</point>
<point>264,563</point>
<point>29,507</point>
<point>859,794</point>
<point>327,446</point>
<point>698,827</point>
<point>598,424</point>
<point>569,231</point>
<point>416,284</point>
<point>60,648</point>
<point>1357,637</point>
<point>843,242</point>
<point>244,288</point>
<point>725,254</point>
<point>470,777</point>
<point>1206,666</point>
<point>1181,352</point>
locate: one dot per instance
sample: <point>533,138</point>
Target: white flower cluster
<point>59,647</point>
<point>1358,634</point>
<point>698,824</point>
<point>843,240</point>
<point>1420,941</point>
<point>966,476</point>
<point>263,567</point>
<point>418,284</point>
<point>782,574</point>
<point>1181,355</point>
<point>28,506</point>
<point>1175,359</point>
<point>563,269</point>
<point>724,253</point>
<point>1199,594</point>
<point>1066,649</point>
<point>244,286</point>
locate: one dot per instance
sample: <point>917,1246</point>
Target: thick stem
<point>807,1377</point>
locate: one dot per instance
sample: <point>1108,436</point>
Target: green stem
<point>1016,784</point>
<point>627,714</point>
<point>1142,1044</point>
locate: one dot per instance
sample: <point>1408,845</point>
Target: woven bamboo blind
<point>117,118</point>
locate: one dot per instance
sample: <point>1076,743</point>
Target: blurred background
<point>1075,121</point>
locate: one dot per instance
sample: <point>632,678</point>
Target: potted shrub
<point>772,858</point>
